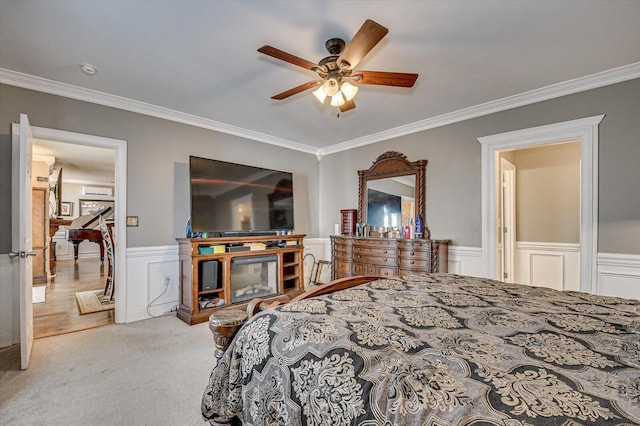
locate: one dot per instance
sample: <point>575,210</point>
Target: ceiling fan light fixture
<point>337,100</point>
<point>331,87</point>
<point>319,94</point>
<point>348,90</point>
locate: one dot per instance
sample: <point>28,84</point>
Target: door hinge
<point>505,230</point>
<point>505,275</point>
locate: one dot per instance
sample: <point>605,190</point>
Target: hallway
<point>59,313</point>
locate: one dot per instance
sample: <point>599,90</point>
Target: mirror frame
<point>392,164</point>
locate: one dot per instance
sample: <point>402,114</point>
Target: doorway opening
<point>539,215</point>
<point>88,142</point>
<point>81,185</point>
<point>583,130</point>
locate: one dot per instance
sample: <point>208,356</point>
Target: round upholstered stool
<point>224,324</point>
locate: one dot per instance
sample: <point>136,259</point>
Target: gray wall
<point>158,152</point>
<point>454,169</point>
<point>157,162</point>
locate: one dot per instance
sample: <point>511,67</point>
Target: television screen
<point>238,199</point>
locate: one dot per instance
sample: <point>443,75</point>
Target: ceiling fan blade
<point>288,57</point>
<point>347,106</point>
<point>297,89</point>
<point>383,78</point>
<point>369,34</point>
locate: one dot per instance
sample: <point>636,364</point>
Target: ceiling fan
<point>337,73</point>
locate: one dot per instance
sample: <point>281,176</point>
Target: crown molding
<point>26,81</point>
<point>601,79</point>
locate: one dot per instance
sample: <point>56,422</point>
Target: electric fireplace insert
<point>254,276</point>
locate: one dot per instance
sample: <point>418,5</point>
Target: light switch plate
<point>132,220</point>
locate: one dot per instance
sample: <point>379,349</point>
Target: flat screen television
<point>234,199</point>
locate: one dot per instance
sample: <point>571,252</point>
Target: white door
<point>507,219</point>
<point>21,232</point>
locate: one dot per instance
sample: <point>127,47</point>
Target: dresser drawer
<point>342,254</point>
<point>379,260</point>
<point>387,272</point>
<point>378,251</point>
<point>340,266</point>
<point>369,269</point>
<point>364,269</point>
<point>414,263</point>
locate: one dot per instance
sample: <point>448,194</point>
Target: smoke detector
<point>88,69</point>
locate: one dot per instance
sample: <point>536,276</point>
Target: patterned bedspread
<point>435,350</point>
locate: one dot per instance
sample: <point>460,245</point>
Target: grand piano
<point>85,228</point>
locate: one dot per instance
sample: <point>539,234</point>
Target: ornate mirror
<point>392,192</point>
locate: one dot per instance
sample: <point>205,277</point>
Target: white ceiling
<point>79,163</point>
<point>196,61</point>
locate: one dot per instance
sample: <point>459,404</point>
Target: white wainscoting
<point>619,275</point>
<point>466,261</point>
<point>148,269</point>
<point>9,300</point>
<point>554,265</point>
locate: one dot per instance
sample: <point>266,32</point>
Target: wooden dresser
<point>387,257</point>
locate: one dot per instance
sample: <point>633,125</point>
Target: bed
<point>438,349</point>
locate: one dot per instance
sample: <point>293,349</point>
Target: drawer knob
<point>385,259</point>
<point>385,252</point>
<point>412,262</point>
<point>386,273</point>
<point>412,253</point>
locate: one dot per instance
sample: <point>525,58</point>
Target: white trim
<point>9,319</point>
<point>27,81</point>
<point>623,260</point>
<point>601,79</point>
<point>466,261</point>
<point>584,130</point>
<point>170,250</point>
<point>120,147</point>
<point>543,246</point>
<point>147,267</point>
<point>555,265</point>
<point>619,275</point>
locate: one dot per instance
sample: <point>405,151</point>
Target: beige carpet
<point>93,301</point>
<point>146,373</point>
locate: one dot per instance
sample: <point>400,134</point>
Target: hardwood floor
<point>59,313</point>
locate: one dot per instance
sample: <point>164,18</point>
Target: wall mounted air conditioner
<point>97,190</point>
